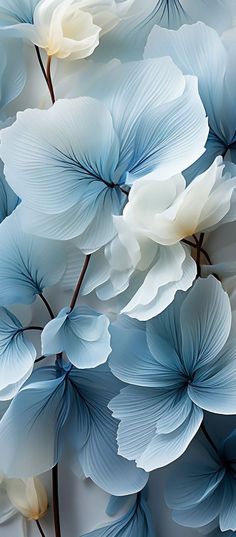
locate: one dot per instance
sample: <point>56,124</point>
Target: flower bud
<point>72,28</point>
<point>29,496</point>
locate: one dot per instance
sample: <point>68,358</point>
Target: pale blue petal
<point>31,428</point>
<point>166,448</point>
<point>170,137</point>
<point>193,483</point>
<point>82,334</point>
<point>137,522</point>
<point>8,199</point>
<point>17,354</point>
<point>98,457</point>
<point>132,362</point>
<point>197,50</point>
<point>227,518</point>
<point>205,318</point>
<point>202,513</point>
<point>17,11</point>
<point>61,156</point>
<point>144,415</point>
<point>29,264</point>
<point>12,71</point>
<point>214,388</point>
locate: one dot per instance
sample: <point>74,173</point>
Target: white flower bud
<point>71,28</point>
<point>29,496</point>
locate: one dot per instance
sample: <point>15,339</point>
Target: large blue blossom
<point>180,364</point>
<point>16,11</point>
<point>81,333</point>
<point>205,486</point>
<point>64,410</point>
<point>28,264</point>
<point>71,163</point>
<point>198,50</point>
<point>137,522</point>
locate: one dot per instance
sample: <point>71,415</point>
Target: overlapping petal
<point>29,263</point>
<point>17,354</point>
<point>59,409</point>
<point>81,333</point>
<point>137,522</point>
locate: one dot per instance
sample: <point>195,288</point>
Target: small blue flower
<point>178,366</point>
<point>204,493</point>
<point>63,411</point>
<point>71,165</point>
<point>28,264</point>
<point>197,49</point>
<point>81,333</point>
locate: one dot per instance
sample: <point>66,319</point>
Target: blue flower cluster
<point>117,256</point>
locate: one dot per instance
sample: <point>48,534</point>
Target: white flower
<point>29,496</point>
<point>72,28</point>
<point>148,263</point>
<point>167,212</point>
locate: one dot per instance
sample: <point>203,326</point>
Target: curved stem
<point>49,80</point>
<point>40,528</point>
<point>80,281</point>
<point>32,328</point>
<point>40,359</point>
<point>41,64</point>
<point>207,436</point>
<point>56,501</point>
<point>47,306</point>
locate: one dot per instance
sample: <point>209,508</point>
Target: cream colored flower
<point>72,28</point>
<point>29,496</point>
<point>167,211</point>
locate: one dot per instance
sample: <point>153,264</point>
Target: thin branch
<point>80,281</point>
<point>47,306</point>
<point>55,498</point>
<point>49,80</point>
<point>207,436</point>
<point>40,528</point>
<point>32,328</point>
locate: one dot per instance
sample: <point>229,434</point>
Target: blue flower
<point>28,264</point>
<point>198,50</point>
<point>17,355</point>
<point>205,487</point>
<point>71,164</point>
<point>180,364</point>
<point>81,333</point>
<point>128,40</point>
<point>63,411</point>
<point>137,522</point>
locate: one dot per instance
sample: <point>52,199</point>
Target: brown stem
<point>208,437</point>
<point>40,528</point>
<point>47,305</point>
<point>32,328</point>
<point>49,80</point>
<point>55,497</point>
<point>80,281</point>
<point>41,64</point>
<point>198,259</point>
